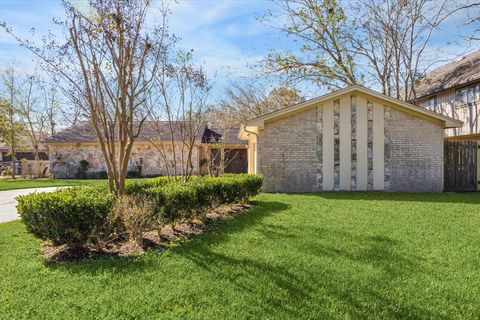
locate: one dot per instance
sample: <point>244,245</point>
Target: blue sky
<point>226,36</point>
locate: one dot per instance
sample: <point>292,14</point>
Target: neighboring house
<point>350,139</point>
<point>454,90</point>
<point>25,157</point>
<point>70,147</point>
<point>20,153</point>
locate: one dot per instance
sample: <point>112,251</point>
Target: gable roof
<point>83,133</point>
<point>23,146</point>
<point>259,122</point>
<point>450,75</point>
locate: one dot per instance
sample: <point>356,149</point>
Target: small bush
<point>69,216</point>
<point>134,214</point>
<point>7,171</point>
<point>97,175</point>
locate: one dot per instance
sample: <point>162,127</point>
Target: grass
<point>20,183</point>
<point>311,256</point>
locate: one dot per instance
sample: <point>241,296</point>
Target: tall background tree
<point>382,44</point>
<point>11,128</point>
<point>244,101</point>
<point>325,55</point>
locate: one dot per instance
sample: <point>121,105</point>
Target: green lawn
<point>19,183</point>
<point>335,255</point>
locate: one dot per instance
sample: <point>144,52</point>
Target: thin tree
<point>30,113</point>
<point>106,68</point>
<point>183,90</point>
<point>12,128</point>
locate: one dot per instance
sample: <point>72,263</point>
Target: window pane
<point>462,96</point>
<point>471,95</point>
<point>431,104</point>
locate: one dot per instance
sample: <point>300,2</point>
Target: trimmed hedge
<point>139,186</point>
<point>66,216</point>
<point>73,215</point>
<point>177,201</point>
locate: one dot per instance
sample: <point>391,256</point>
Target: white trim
<point>362,144</point>
<point>447,121</point>
<point>328,146</point>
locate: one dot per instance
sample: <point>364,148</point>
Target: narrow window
<point>432,101</point>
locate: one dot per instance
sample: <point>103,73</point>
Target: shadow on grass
<point>319,285</point>
<point>312,288</point>
<point>446,197</point>
<point>219,231</point>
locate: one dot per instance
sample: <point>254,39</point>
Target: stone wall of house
<point>409,150</point>
<point>65,159</point>
<point>416,153</point>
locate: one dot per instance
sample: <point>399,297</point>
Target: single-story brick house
<point>68,148</point>
<point>350,139</point>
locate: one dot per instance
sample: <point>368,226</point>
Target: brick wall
<point>416,153</point>
<point>288,159</point>
<point>287,153</point>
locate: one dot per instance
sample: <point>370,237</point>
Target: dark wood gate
<point>460,165</point>
<point>236,160</point>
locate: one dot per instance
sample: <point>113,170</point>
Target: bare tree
<point>183,90</point>
<point>30,113</point>
<point>242,102</point>
<point>52,108</point>
<point>11,128</point>
<point>472,12</point>
<point>393,36</point>
<point>107,67</point>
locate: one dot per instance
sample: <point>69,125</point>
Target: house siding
<point>303,152</point>
<point>446,105</point>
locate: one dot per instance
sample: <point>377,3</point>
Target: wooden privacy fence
<point>460,166</point>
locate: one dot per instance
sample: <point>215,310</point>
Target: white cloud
<point>223,34</point>
<point>217,31</point>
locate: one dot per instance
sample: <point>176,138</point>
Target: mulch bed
<point>120,245</point>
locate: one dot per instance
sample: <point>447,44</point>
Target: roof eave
<point>454,87</point>
<point>447,121</point>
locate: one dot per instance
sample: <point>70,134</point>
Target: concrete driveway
<point>8,212</point>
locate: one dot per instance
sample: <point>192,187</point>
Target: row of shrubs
<point>79,215</point>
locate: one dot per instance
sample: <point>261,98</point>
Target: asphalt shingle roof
<point>451,75</point>
<point>83,132</point>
